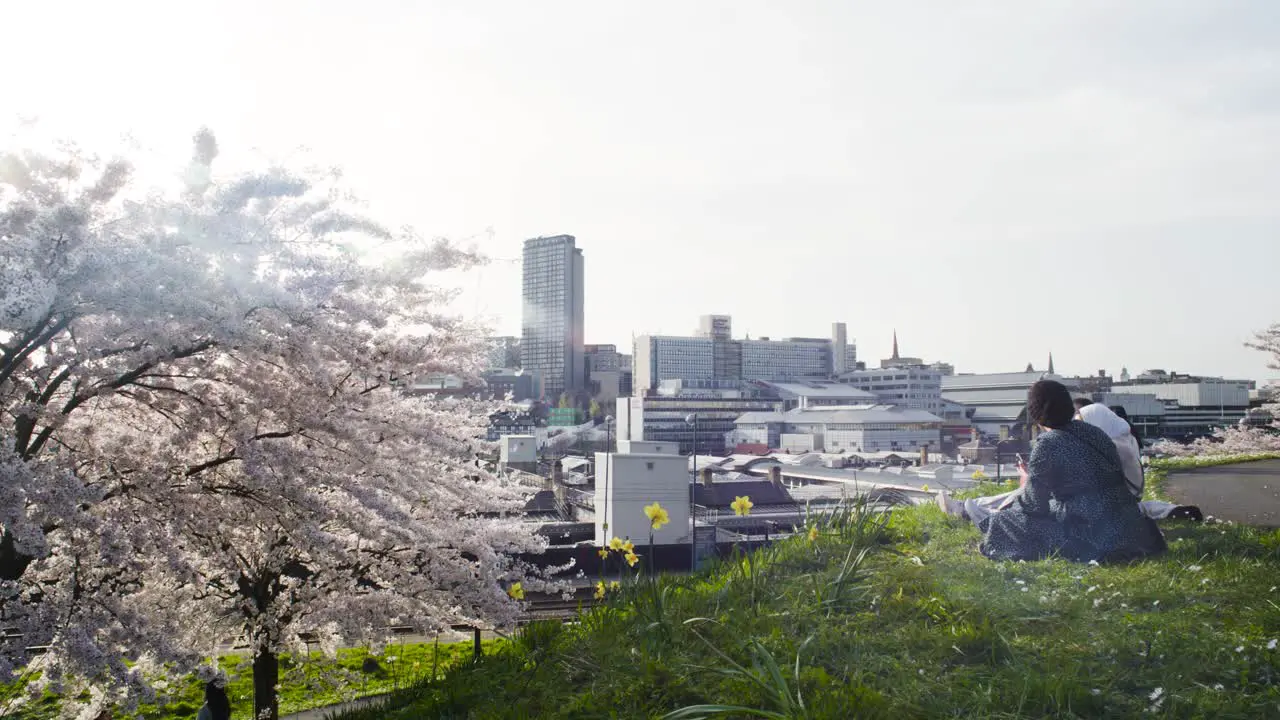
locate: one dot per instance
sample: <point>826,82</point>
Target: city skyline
<point>995,181</point>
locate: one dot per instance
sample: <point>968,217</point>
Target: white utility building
<point>627,482</point>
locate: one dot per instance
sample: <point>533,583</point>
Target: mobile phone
<point>1018,458</point>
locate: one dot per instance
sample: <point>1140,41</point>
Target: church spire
<point>1051,363</point>
<point>895,344</point>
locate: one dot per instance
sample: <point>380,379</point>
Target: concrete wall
<point>647,447</point>
<point>800,442</point>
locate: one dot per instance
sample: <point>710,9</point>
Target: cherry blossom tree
<point>1238,440</point>
<point>203,430</point>
<point>1268,341</point>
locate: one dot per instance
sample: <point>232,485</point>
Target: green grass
<point>922,627</point>
<point>307,683</point>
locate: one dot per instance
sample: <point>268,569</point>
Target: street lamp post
<point>608,461</point>
<point>692,419</point>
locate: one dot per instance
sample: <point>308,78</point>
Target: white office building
<point>713,354</point>
<point>864,428</point>
<point>667,357</point>
<point>810,394</point>
<point>916,387</point>
<point>1193,406</point>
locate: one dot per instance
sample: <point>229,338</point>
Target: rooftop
<point>991,380</point>
<point>722,494</point>
<point>860,414</point>
<point>820,389</point>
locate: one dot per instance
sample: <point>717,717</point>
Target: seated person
<point>1120,431</point>
<point>1076,502</point>
<point>1118,428</point>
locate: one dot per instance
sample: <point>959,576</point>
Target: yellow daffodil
<point>616,543</point>
<point>742,505</point>
<point>657,515</point>
<point>600,590</point>
<point>628,546</point>
<point>925,487</point>
<point>613,585</point>
<point>813,534</point>
<point>516,591</point>
<point>603,552</point>
<point>632,559</point>
<point>978,475</point>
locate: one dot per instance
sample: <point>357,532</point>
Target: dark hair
<point>1049,404</point>
<point>1082,403</point>
<point>1124,415</point>
<point>216,698</point>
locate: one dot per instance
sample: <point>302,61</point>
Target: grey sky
<point>994,179</point>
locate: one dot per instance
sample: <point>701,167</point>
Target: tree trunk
<point>266,673</point>
<point>12,563</point>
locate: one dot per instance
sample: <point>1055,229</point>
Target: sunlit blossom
<point>657,516</point>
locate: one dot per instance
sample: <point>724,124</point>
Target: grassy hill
<point>903,619</point>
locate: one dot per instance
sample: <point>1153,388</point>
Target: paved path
<point>1247,493</point>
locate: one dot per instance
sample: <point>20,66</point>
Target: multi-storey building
<point>713,354</point>
<point>1194,405</point>
<point>766,359</point>
<point>667,357</point>
<point>864,428</point>
<point>603,368</point>
<point>999,400</point>
<point>504,383</point>
<point>551,346</point>
<point>913,386</point>
<point>811,393</point>
<point>693,419</point>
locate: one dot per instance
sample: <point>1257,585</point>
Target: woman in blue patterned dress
<point>1076,504</point>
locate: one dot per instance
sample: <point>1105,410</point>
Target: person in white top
<point>1121,433</point>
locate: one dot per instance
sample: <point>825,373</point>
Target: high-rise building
<point>551,345</point>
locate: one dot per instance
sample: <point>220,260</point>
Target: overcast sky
<point>996,180</point>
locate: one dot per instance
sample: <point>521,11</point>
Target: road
<point>1248,493</point>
